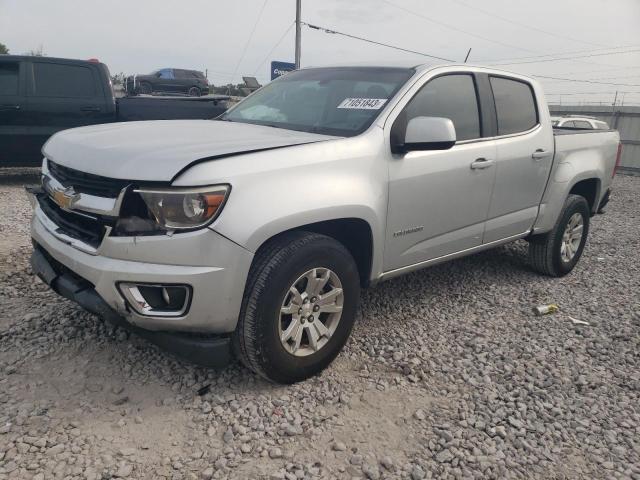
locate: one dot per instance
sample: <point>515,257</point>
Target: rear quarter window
<point>59,80</point>
<point>515,105</point>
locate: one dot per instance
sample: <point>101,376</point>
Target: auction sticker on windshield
<point>363,103</point>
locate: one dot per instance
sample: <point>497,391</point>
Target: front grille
<point>87,229</point>
<point>87,182</point>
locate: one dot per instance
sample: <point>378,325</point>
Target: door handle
<point>10,107</point>
<point>90,109</point>
<point>539,154</point>
<point>481,163</point>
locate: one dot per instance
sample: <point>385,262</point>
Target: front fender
<point>278,190</point>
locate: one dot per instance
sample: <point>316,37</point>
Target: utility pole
<point>298,32</point>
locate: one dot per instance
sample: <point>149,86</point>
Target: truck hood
<point>158,150</point>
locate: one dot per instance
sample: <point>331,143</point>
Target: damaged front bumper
<point>211,268</point>
<point>206,350</point>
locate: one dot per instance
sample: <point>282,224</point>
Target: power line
<point>569,58</point>
<point>562,53</point>
<point>246,45</point>
<point>524,25</point>
<point>335,32</point>
<point>578,80</point>
<point>592,93</point>
<point>454,28</point>
<point>600,70</point>
<point>615,77</point>
<point>274,47</point>
<point>465,32</point>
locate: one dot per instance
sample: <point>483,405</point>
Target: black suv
<point>169,80</point>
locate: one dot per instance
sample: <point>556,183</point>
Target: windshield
<point>330,101</point>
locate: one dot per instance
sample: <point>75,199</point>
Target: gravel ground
<point>448,374</point>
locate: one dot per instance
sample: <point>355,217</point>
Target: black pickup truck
<point>40,96</point>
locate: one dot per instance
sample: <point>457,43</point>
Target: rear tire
<point>557,252</point>
<point>283,265</point>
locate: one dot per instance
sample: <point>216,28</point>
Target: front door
<point>14,139</point>
<point>439,199</point>
<point>167,82</point>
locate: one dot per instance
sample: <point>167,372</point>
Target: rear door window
<point>569,124</point>
<point>449,96</point>
<point>515,105</point>
<point>9,75</point>
<point>59,80</point>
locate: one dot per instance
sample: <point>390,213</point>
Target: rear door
<point>184,80</point>
<point>64,95</point>
<point>15,145</point>
<point>524,156</point>
<point>438,199</point>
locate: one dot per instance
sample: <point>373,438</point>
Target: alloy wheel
<point>571,237</point>
<point>310,312</point>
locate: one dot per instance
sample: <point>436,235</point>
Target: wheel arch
<point>589,188</point>
<point>355,234</point>
<point>587,184</point>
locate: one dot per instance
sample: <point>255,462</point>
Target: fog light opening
<point>157,300</point>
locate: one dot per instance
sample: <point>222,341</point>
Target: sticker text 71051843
<point>363,103</point>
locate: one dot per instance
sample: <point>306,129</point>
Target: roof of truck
<point>48,59</point>
<point>420,67</point>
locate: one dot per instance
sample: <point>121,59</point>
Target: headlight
<point>178,209</point>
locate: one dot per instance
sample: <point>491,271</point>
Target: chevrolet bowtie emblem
<point>65,198</point>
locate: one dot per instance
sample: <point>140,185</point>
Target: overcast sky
<point>141,35</point>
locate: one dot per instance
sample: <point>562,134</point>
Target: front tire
<point>557,252</point>
<point>194,92</point>
<point>299,307</point>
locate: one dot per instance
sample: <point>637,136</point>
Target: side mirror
<point>429,133</point>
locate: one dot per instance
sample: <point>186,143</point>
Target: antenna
<point>298,32</point>
<point>467,57</point>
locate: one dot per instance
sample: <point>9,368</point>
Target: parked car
<point>254,233</point>
<point>577,121</point>
<point>169,80</point>
<point>42,95</point>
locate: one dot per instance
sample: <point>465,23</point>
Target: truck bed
<point>574,131</point>
<point>593,149</point>
<point>170,107</point>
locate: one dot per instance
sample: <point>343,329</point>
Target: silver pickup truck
<point>254,233</point>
